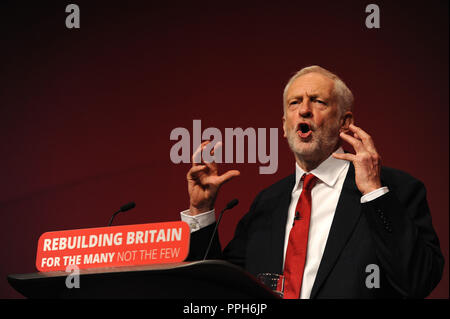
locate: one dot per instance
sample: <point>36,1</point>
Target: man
<point>337,216</point>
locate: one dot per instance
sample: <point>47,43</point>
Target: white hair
<point>340,91</point>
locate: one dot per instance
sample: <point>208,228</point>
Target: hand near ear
<point>367,161</point>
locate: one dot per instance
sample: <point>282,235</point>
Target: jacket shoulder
<point>278,188</point>
<point>397,178</point>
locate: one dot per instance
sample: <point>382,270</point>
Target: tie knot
<point>309,180</point>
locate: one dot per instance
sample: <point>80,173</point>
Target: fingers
<point>365,138</point>
<point>209,152</point>
<point>200,175</point>
<point>204,168</point>
<point>197,156</point>
<point>209,156</point>
<point>362,158</point>
<point>361,141</point>
<point>363,145</point>
<point>353,141</point>
<point>195,171</point>
<point>216,148</point>
<point>366,155</point>
<point>205,154</point>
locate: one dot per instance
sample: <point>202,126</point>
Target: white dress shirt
<point>325,194</point>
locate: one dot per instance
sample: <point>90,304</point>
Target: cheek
<point>326,120</point>
<point>289,123</point>
<point>319,121</point>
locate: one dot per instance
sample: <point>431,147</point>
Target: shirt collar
<point>327,172</point>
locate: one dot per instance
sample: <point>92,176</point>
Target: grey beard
<point>323,147</point>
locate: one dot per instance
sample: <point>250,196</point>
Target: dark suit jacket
<point>393,232</point>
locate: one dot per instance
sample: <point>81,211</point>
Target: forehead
<point>311,84</point>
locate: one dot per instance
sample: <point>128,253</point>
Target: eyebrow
<point>311,96</point>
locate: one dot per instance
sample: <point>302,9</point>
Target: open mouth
<point>304,130</point>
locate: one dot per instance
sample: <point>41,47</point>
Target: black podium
<point>210,279</point>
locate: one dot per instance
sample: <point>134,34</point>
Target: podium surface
<point>209,279</point>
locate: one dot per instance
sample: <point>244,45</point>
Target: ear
<point>346,120</point>
<point>284,128</point>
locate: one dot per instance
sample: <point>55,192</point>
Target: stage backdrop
<point>86,113</point>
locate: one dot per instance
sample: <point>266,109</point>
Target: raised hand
<point>367,161</point>
<point>204,181</point>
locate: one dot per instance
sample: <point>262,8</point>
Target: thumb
<point>225,177</point>
<point>344,156</point>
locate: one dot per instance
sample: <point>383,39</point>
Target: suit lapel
<point>278,224</point>
<point>346,215</point>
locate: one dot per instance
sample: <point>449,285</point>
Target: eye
<point>318,101</point>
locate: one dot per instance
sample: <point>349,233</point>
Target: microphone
<point>124,208</point>
<point>297,217</point>
<point>230,205</point>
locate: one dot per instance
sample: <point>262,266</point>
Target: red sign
<point>114,246</point>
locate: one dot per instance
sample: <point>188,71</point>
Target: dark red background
<point>85,115</point>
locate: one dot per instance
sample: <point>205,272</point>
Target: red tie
<point>294,264</point>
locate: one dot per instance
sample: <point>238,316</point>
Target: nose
<point>305,110</point>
